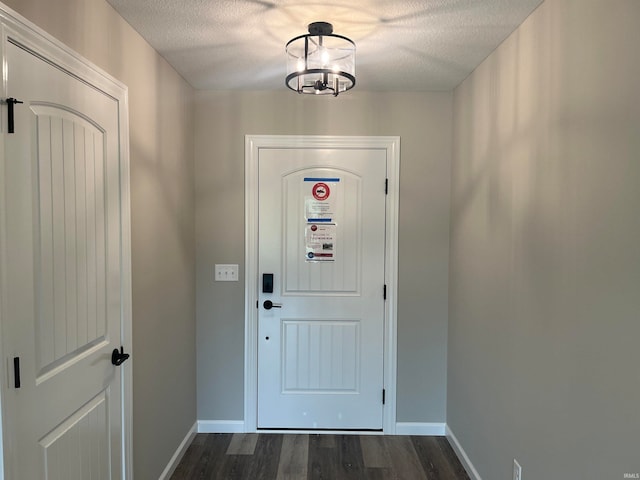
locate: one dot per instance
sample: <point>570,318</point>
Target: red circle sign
<point>320,191</point>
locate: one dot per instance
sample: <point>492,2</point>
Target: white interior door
<point>62,275</point>
<point>322,236</point>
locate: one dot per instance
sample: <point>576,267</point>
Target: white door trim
<point>253,144</point>
<point>22,32</point>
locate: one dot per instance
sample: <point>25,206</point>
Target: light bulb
<point>324,57</point>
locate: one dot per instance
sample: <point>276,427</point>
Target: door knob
<point>118,357</point>
<point>268,305</point>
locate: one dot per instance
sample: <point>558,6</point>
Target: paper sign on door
<point>320,199</point>
<point>320,240</point>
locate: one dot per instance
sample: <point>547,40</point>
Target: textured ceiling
<point>402,45</point>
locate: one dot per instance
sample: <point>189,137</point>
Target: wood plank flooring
<point>318,457</point>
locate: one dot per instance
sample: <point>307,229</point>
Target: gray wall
<point>424,123</point>
<point>162,213</point>
<point>545,248</point>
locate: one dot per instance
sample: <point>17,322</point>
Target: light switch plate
<point>226,272</point>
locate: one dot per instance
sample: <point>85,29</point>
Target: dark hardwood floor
<point>254,456</point>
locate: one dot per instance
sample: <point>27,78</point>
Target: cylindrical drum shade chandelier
<point>321,62</point>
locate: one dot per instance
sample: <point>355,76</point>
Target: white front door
<point>321,224</point>
<point>62,275</point>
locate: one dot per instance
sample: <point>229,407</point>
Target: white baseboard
<point>462,455</point>
<point>220,426</point>
<point>420,428</point>
<point>182,448</point>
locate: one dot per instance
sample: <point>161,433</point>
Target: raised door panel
<point>71,314</point>
<point>322,244</point>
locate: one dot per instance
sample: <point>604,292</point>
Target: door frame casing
<point>34,39</point>
<point>253,145</point>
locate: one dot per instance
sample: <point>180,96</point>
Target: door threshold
<point>322,431</point>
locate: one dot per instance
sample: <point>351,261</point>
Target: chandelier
<point>321,62</point>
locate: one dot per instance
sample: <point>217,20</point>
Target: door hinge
<point>16,372</point>
<point>384,395</point>
<point>10,123</point>
<point>384,292</point>
<point>257,304</point>
<point>386,186</point>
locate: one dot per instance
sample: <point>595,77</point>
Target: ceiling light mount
<point>321,62</point>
